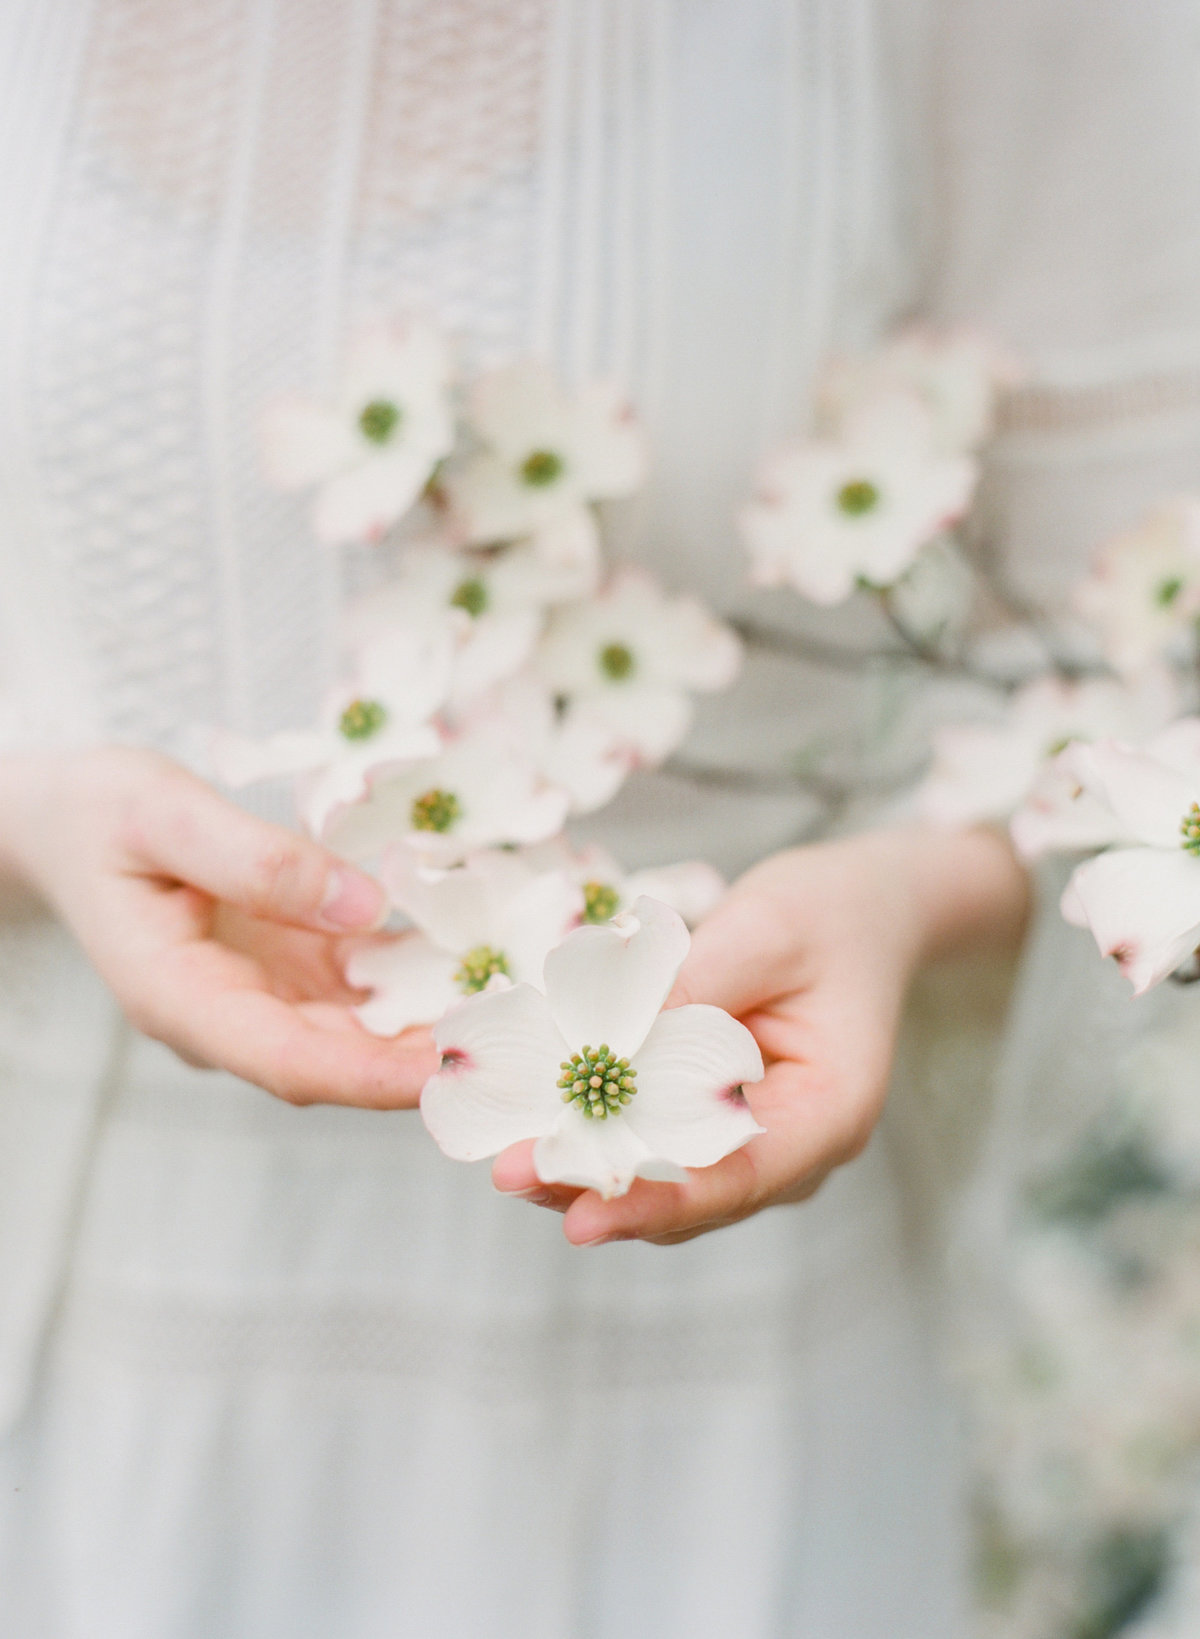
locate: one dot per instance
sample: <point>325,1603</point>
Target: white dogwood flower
<point>831,513</point>
<point>491,920</point>
<point>984,771</point>
<point>378,720</point>
<point>545,453</point>
<point>1142,597</point>
<point>373,447</point>
<point>478,793</point>
<point>628,657</point>
<point>956,374</point>
<point>691,887</point>
<point>611,1087</point>
<point>1142,902</point>
<point>575,751</point>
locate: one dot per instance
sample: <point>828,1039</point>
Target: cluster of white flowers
<point>498,681</point>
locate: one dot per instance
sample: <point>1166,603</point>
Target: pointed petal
<point>688,1107</point>
<point>500,1066</point>
<point>411,980</point>
<point>236,760</point>
<point>449,906</point>
<point>360,505</point>
<point>607,984</point>
<point>1143,907</point>
<point>602,1155</point>
<point>536,918</point>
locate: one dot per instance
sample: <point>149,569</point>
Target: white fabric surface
<point>267,1372</point>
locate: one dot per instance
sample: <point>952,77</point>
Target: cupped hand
<point>814,951</point>
<point>219,934</point>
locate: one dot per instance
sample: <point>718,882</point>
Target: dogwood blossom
<point>956,375</point>
<point>545,454</point>
<point>611,1087</point>
<point>379,719</point>
<point>830,513</point>
<point>984,771</point>
<point>1064,814</point>
<point>691,887</point>
<point>491,920</point>
<point>1142,902</point>
<point>477,793</point>
<point>372,448</point>
<point>628,657</point>
<point>493,604</point>
<point>1142,597</point>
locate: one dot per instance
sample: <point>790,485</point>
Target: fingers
<point>179,827</point>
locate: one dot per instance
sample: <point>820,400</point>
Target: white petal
<point>303,443</point>
<point>535,919</point>
<point>693,888</point>
<point>647,719</point>
<point>347,777</point>
<point>688,1107</point>
<point>584,758</point>
<point>1143,907</point>
<point>606,443</point>
<point>498,1081</point>
<point>496,647</point>
<point>412,982</point>
<point>607,984</point>
<point>488,502</point>
<point>450,906</point>
<point>602,1155</point>
<point>1148,799</point>
<point>362,504</point>
<point>518,408</point>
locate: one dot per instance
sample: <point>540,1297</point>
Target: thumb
<point>184,829</point>
<point>742,957</point>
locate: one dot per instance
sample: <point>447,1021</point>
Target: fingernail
<point>535,1197</point>
<point>353,900</point>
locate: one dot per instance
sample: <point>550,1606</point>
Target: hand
<point>814,950</point>
<point>218,933</point>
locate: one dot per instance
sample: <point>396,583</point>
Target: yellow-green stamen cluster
<point>600,902</point>
<point>616,661</point>
<point>379,420</point>
<point>435,810</point>
<point>1189,827</point>
<point>478,966</point>
<point>471,595</point>
<point>858,497</point>
<point>361,719</point>
<point>597,1082</point>
<point>541,467</point>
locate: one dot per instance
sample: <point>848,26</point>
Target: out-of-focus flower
<point>476,794</point>
<point>546,453</point>
<point>1063,814</point>
<point>574,751</point>
<point>493,602</point>
<point>955,374</point>
<point>374,446</point>
<point>984,771</point>
<point>487,922</point>
<point>1141,903</point>
<point>378,720</point>
<point>691,887</point>
<point>611,1087</point>
<point>628,657</point>
<point>829,514</point>
<point>1142,597</point>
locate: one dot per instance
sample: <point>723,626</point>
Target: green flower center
<point>616,661</point>
<point>542,467</point>
<point>597,1082</point>
<point>1059,745</point>
<point>858,497</point>
<point>435,810</point>
<point>361,719</point>
<point>379,419</point>
<point>599,902</point>
<point>1166,592</point>
<point>1189,827</point>
<point>478,966</point>
<point>471,595</point>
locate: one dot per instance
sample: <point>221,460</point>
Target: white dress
<point>269,1373</point>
